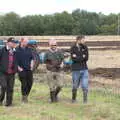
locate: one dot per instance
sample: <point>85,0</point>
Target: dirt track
<point>110,73</point>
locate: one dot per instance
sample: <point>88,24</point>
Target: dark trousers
<point>26,78</point>
<point>7,85</point>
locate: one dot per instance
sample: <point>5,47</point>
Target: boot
<point>2,95</point>
<point>58,89</point>
<point>1,103</point>
<point>74,95</point>
<point>25,99</point>
<point>8,104</point>
<point>8,100</point>
<point>52,96</point>
<point>85,96</point>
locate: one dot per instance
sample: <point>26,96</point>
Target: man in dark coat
<point>25,62</point>
<point>8,68</point>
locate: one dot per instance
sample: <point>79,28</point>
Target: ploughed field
<point>104,89</point>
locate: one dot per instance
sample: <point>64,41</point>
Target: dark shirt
<point>24,57</point>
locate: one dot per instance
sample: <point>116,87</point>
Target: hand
<point>20,69</point>
<point>62,65</point>
<point>31,68</point>
<point>32,65</point>
<point>84,55</point>
<point>74,55</point>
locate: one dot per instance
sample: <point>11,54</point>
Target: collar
<point>53,50</point>
<point>77,45</point>
<point>22,48</point>
<point>14,49</point>
<point>8,48</point>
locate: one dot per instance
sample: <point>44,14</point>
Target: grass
<point>101,106</point>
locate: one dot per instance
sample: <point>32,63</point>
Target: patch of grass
<point>100,106</point>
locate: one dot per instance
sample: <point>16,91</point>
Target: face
<point>15,45</point>
<point>24,42</point>
<point>82,41</point>
<point>10,44</point>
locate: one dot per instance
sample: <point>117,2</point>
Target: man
<point>25,66</point>
<point>54,58</point>
<point>79,55</point>
<point>33,45</point>
<point>8,68</point>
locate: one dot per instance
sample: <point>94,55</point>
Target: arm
<point>74,56</point>
<point>0,53</point>
<point>47,60</point>
<point>86,54</point>
<point>20,69</point>
<point>32,63</point>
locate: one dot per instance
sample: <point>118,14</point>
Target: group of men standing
<point>54,62</point>
<point>21,60</point>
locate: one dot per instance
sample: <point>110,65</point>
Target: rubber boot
<point>58,89</point>
<point>85,92</point>
<point>52,96</point>
<point>9,100</point>
<point>74,95</point>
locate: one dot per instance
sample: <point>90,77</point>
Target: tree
<point>31,25</point>
<point>79,22</point>
<point>10,24</point>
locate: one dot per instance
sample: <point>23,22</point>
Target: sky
<point>32,7</point>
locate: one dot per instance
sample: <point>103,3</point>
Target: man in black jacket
<point>25,62</point>
<point>79,55</point>
<point>8,68</point>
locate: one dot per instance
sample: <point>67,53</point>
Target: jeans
<point>80,77</point>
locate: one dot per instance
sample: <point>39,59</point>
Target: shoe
<point>25,99</point>
<point>74,101</point>
<point>8,105</point>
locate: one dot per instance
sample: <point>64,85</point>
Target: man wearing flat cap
<point>8,68</point>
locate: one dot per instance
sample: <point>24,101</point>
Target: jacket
<point>79,55</point>
<point>4,60</point>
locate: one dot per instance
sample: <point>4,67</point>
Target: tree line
<point>75,23</point>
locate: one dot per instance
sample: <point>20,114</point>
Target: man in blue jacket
<point>25,62</point>
<point>79,55</point>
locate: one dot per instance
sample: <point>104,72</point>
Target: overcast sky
<point>30,7</point>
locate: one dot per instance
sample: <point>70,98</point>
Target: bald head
<point>24,42</point>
